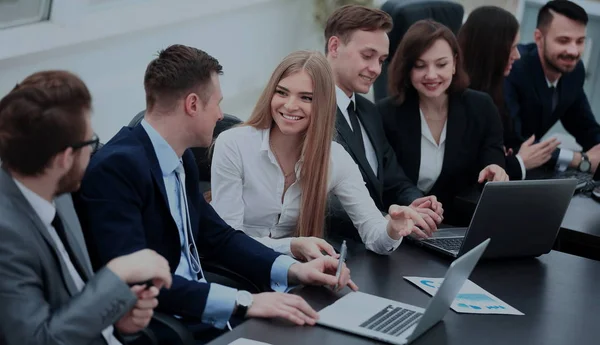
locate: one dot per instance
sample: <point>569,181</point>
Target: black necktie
<point>356,127</point>
<point>60,230</point>
<point>554,97</point>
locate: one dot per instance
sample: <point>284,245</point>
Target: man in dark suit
<point>48,293</point>
<point>546,85</point>
<point>357,44</point>
<point>141,190</point>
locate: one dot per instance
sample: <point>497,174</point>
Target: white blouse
<point>247,184</point>
<point>432,156</point>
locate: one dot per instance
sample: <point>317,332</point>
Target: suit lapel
<point>455,129</point>
<point>74,237</point>
<point>542,90</point>
<point>9,188</point>
<point>411,119</point>
<point>140,132</point>
<point>344,131</point>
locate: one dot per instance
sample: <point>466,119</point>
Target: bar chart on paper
<point>470,299</point>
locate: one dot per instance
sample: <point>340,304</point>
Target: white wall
<point>248,40</point>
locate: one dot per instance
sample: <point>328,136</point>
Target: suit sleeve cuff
<point>279,273</point>
<point>564,159</point>
<point>522,165</point>
<point>219,305</point>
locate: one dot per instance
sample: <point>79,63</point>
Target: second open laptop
<point>394,322</point>
<point>521,217</point>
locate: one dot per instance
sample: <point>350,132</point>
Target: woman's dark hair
<point>417,40</point>
<point>486,40</point>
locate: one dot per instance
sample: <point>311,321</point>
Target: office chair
<point>404,14</point>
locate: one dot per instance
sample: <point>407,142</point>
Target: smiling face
<point>357,63</point>
<point>562,44</point>
<point>291,105</point>
<point>432,73</point>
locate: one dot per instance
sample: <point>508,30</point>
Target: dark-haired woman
<point>445,136</point>
<point>488,41</point>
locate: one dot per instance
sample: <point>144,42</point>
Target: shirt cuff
<point>565,157</point>
<point>522,165</point>
<point>389,244</point>
<point>284,246</point>
<point>219,305</point>
<point>279,273</point>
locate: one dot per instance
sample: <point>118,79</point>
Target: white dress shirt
<point>342,102</point>
<point>432,156</point>
<point>247,184</point>
<point>46,211</point>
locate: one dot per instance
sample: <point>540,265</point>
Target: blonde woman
<point>271,176</point>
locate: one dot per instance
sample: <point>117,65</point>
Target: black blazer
<point>473,140</point>
<point>123,207</point>
<point>391,185</point>
<point>529,102</point>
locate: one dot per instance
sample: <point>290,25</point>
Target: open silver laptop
<point>394,322</point>
<point>522,217</point>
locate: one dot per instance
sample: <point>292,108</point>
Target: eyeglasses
<point>94,143</point>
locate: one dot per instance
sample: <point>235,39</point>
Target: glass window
<point>20,12</point>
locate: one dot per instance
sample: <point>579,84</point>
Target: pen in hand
<point>342,259</point>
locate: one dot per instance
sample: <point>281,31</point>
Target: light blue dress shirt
<point>221,299</point>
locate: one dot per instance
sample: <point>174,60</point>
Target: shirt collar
<point>167,158</point>
<point>426,132</point>
<point>44,209</point>
<point>343,100</point>
<point>552,84</point>
<point>265,145</point>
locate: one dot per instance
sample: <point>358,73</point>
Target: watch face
<point>585,166</point>
<point>244,298</point>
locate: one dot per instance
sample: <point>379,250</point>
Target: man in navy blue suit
<point>141,190</point>
<point>546,85</point>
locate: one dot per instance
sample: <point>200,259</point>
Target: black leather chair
<point>405,13</point>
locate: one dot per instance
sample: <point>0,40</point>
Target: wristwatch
<point>584,164</point>
<point>243,301</point>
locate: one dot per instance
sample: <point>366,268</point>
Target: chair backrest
<point>202,154</point>
<point>404,14</point>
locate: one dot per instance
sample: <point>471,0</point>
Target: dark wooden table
<point>558,293</point>
<point>580,229</point>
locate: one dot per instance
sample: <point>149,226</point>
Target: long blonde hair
<point>316,146</point>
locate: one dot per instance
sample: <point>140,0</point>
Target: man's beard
<point>71,180</point>
<point>555,67</point>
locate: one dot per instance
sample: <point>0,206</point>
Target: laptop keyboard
<point>450,244</point>
<point>392,320</point>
